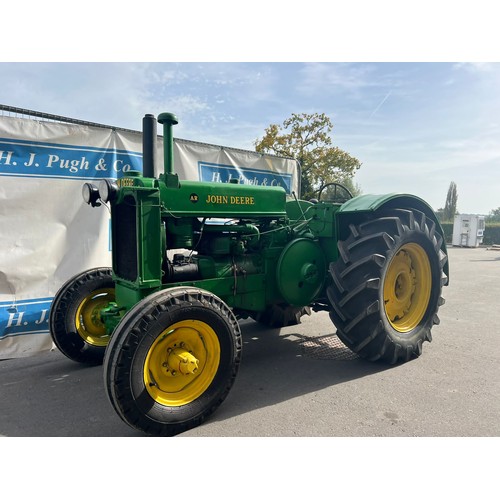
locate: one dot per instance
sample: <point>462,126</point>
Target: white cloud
<point>476,67</point>
<point>345,76</point>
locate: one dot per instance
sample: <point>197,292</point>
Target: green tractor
<point>190,259</point>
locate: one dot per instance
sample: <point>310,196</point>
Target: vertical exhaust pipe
<point>168,120</point>
<point>148,145</point>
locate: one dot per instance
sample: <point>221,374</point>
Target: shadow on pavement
<point>278,365</point>
<point>50,395</point>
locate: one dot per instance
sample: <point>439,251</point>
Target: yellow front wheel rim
<point>407,287</point>
<point>88,318</point>
<point>182,363</point>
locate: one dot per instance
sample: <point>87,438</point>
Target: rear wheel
<point>172,360</point>
<point>386,285</point>
<point>74,322</point>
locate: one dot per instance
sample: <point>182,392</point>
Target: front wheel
<point>74,321</point>
<point>386,286</point>
<point>172,360</point>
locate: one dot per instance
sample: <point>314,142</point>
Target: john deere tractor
<point>190,259</point>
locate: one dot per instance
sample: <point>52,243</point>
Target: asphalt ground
<point>320,420</point>
<point>302,381</point>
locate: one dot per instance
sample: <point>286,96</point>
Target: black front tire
<point>74,324</point>
<point>172,360</point>
<point>386,286</point>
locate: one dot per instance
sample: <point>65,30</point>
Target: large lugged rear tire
<point>172,360</point>
<point>74,321</point>
<point>386,285</point>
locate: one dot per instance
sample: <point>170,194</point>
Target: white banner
<point>205,162</point>
<point>48,234</point>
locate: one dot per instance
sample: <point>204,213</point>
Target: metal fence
<point>41,116</point>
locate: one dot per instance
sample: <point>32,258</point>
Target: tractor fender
<point>371,203</point>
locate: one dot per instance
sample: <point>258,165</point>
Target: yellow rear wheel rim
<point>88,320</point>
<point>182,363</point>
<point>407,287</point>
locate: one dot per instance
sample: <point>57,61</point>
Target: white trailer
<point>468,230</point>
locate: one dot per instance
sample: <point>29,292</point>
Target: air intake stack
<point>168,120</point>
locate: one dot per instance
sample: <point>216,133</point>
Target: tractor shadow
<point>49,395</point>
<point>282,364</point>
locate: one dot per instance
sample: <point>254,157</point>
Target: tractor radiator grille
<point>125,239</point>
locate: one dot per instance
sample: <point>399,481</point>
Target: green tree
<point>306,137</point>
<point>494,215</point>
<point>354,189</point>
<point>450,207</point>
<point>439,214</point>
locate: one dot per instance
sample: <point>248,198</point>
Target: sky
<point>414,126</point>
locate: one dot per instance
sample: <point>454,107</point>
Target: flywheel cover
<point>301,271</point>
